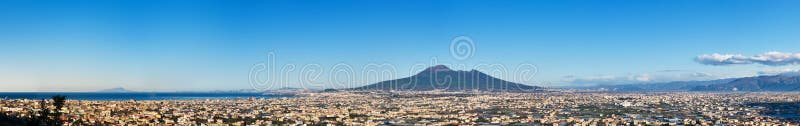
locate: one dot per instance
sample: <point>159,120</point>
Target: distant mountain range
<point>758,83</point>
<point>664,86</point>
<point>441,77</point>
<point>115,90</point>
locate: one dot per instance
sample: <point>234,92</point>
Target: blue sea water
<point>134,95</point>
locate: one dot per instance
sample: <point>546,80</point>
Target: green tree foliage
<point>44,117</point>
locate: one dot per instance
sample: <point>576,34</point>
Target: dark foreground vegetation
<point>48,115</point>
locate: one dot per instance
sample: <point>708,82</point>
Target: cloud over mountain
<point>769,58</point>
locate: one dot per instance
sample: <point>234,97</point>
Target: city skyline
<point>213,45</point>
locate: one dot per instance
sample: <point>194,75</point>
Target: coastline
<point>116,96</point>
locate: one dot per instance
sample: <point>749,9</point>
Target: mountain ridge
<point>757,83</point>
<point>115,90</point>
<point>660,86</point>
<point>753,84</point>
<point>440,77</point>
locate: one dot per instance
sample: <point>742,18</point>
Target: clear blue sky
<point>152,45</point>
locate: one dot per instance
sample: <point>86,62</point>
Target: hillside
<point>441,77</point>
<point>759,83</point>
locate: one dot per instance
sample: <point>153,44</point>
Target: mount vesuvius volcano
<point>441,77</point>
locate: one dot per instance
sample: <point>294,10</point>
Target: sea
<point>95,96</point>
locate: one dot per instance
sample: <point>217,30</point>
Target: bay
<point>135,95</point>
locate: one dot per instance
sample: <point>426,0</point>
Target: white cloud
<point>769,58</point>
<point>642,78</point>
<point>699,74</point>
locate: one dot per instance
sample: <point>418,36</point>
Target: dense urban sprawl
<point>439,108</point>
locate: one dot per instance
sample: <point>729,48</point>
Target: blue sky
<point>212,45</point>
